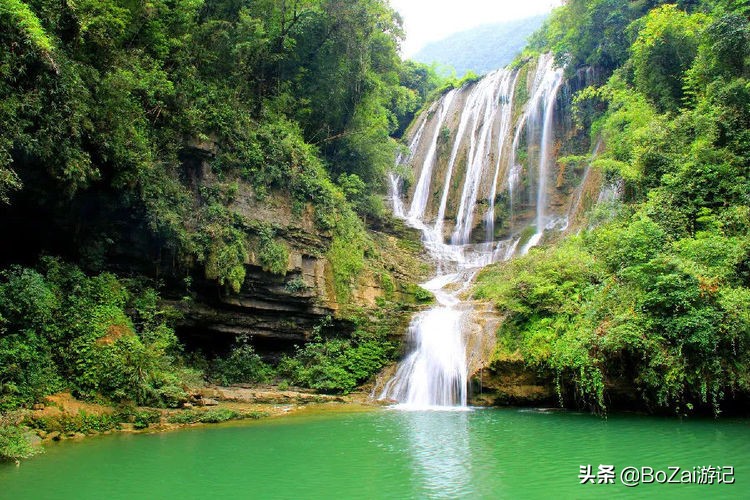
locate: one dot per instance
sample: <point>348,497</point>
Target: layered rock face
<point>279,311</point>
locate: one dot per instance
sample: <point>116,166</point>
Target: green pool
<point>394,454</point>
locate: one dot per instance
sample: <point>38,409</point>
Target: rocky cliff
<point>279,310</point>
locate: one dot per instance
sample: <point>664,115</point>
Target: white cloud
<point>429,20</point>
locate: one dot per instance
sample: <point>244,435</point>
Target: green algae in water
<point>389,454</point>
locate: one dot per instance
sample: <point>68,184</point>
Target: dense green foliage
<point>596,33</point>
<point>657,297</point>
<point>98,335</point>
<point>104,100</point>
<point>82,422</point>
<point>211,416</point>
<point>241,365</point>
<point>332,363</point>
<point>13,442</point>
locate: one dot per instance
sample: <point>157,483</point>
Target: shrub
<point>212,416</point>
<point>143,418</point>
<point>274,256</point>
<point>666,45</point>
<point>82,422</point>
<point>28,309</point>
<point>184,417</point>
<point>218,415</point>
<point>347,254</point>
<point>337,365</point>
<point>296,285</point>
<point>107,337</point>
<point>14,445</point>
<point>242,365</point>
<point>226,256</point>
<point>419,293</point>
<point>172,396</point>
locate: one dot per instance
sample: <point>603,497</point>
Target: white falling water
<point>466,116</point>
<point>611,192</point>
<point>395,180</point>
<point>491,93</point>
<point>434,373</point>
<point>396,201</point>
<point>422,191</point>
<point>507,94</point>
<point>539,115</point>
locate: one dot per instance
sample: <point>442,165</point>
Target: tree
<point>665,48</point>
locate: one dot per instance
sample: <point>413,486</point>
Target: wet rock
<point>208,392</point>
<point>53,436</point>
<point>258,396</point>
<point>33,438</point>
<point>511,382</point>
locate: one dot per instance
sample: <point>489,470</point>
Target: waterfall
<point>421,193</point>
<point>396,201</point>
<point>485,147</point>
<point>434,374</point>
<point>492,94</point>
<point>507,93</point>
<point>394,180</point>
<point>466,116</point>
<point>539,120</point>
<point>549,93</point>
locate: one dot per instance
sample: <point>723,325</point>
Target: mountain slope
<point>481,49</point>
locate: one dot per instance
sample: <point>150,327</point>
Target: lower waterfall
<point>435,374</point>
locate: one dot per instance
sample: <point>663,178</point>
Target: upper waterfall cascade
<point>484,159</point>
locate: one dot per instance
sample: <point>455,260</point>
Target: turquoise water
<point>390,454</point>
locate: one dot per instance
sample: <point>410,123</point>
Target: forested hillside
<point>480,49</point>
<point>102,100</point>
<point>650,305</point>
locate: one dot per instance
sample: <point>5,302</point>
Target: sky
<point>430,20</point>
